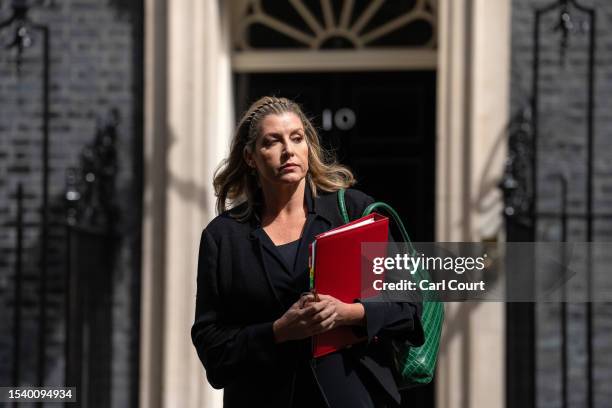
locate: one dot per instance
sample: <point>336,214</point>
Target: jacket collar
<point>324,207</point>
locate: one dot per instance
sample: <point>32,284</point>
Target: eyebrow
<point>277,134</point>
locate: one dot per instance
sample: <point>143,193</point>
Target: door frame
<point>338,60</point>
<point>472,111</point>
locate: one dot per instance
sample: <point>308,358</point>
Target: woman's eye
<point>298,139</point>
<point>269,142</point>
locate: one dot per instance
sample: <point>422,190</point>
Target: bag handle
<point>342,206</point>
<point>369,209</point>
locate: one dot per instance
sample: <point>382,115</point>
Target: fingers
<point>328,297</point>
<point>323,320</point>
<point>305,299</point>
<point>307,326</point>
<point>313,308</point>
<point>324,314</point>
<point>309,317</point>
<point>325,325</point>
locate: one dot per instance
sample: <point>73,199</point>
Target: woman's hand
<point>348,314</point>
<point>304,319</point>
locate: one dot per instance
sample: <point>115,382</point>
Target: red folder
<point>335,269</point>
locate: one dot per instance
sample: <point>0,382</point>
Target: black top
<point>240,295</point>
<point>289,252</point>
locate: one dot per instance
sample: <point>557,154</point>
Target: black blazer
<point>237,302</point>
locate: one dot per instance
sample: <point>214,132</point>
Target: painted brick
<point>92,71</point>
<point>562,119</point>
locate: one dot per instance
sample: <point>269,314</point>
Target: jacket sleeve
<point>399,320</point>
<point>225,350</point>
<point>385,317</point>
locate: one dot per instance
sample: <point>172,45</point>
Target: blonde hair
<point>234,180</point>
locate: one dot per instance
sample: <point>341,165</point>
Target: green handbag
<point>413,365</point>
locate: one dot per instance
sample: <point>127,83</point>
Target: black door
<point>382,125</point>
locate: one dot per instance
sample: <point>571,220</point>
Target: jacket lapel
<point>310,230</point>
<point>318,221</point>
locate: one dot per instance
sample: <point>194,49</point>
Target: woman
<point>252,327</point>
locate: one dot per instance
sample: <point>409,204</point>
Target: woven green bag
<point>413,365</point>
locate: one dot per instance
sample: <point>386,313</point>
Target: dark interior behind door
<point>382,125</point>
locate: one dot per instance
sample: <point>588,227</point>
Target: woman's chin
<point>290,178</point>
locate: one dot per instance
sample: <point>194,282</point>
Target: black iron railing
<point>87,229</point>
<point>520,186</point>
<point>23,28</point>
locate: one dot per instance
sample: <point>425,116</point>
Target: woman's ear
<point>248,158</point>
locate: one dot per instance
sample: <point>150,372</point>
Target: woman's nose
<point>288,147</point>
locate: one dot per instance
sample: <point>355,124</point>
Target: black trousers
<point>336,381</point>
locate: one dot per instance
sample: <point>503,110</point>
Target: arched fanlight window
<point>369,27</point>
<point>335,24</point>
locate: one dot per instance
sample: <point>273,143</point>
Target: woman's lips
<point>288,166</point>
